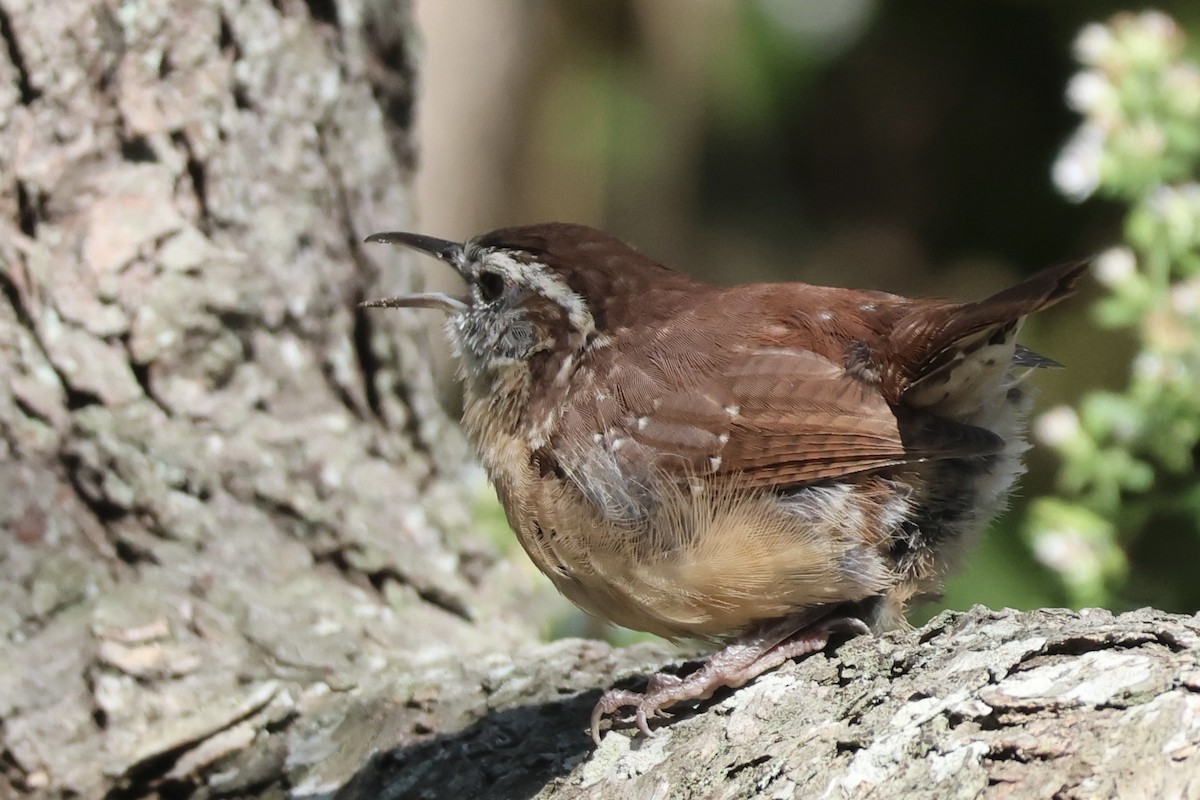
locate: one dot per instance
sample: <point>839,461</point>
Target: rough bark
<point>237,559</point>
<point>976,705</point>
<point>225,494</point>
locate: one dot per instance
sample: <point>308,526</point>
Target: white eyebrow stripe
<point>541,280</point>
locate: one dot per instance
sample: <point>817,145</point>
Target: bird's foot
<point>736,664</point>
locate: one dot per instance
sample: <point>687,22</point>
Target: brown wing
<point>803,418</point>
<point>798,417</point>
<point>778,416</point>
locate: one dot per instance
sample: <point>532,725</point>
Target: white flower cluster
<point>1119,120</point>
<point>1139,144</point>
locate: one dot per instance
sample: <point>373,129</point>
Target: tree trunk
<point>228,498</point>
<point>237,557</point>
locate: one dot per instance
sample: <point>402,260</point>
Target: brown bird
<point>758,466</point>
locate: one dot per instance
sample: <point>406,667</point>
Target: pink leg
<point>735,665</point>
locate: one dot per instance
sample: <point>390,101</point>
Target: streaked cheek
<point>516,339</point>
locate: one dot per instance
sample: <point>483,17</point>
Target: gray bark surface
<point>237,559</point>
<point>226,496</point>
<point>977,705</point>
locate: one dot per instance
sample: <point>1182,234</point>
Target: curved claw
<point>642,723</point>
<point>852,625</point>
<point>610,702</point>
<point>597,715</point>
<point>646,707</point>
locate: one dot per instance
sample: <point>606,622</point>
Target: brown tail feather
<point>939,341</point>
<point>1038,291</point>
<point>1033,294</point>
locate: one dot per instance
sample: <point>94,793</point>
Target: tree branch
<point>981,704</point>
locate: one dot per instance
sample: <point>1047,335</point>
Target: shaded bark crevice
<point>138,150</point>
<point>392,74</point>
<point>13,296</point>
<point>362,398</point>
<point>368,362</point>
<point>29,210</point>
<point>342,558</point>
<point>29,93</point>
<point>197,178</point>
<point>324,11</point>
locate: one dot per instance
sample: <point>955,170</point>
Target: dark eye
<point>491,286</point>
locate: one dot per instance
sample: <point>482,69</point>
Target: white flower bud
<point>1151,366</point>
<point>1091,92</point>
<point>1185,298</point>
<point>1068,553</point>
<point>1094,44</point>
<point>1115,266</point>
<point>1076,172</point>
<point>1057,426</point>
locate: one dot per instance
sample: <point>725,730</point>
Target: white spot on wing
<point>564,372</point>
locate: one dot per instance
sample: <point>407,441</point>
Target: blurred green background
<point>904,146</point>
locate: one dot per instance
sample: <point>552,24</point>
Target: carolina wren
<point>758,466</point>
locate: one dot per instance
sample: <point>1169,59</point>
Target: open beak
<point>449,253</point>
<point>438,300</point>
